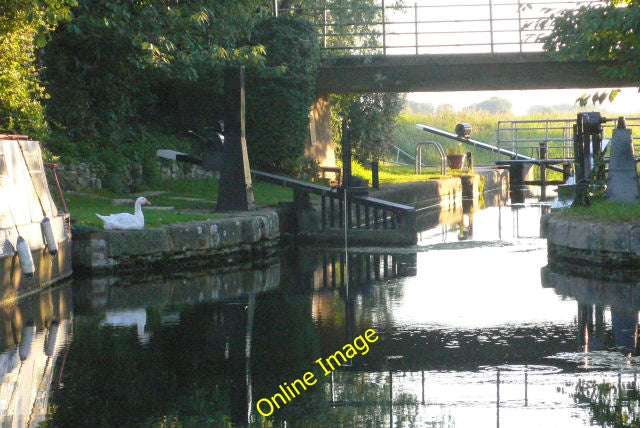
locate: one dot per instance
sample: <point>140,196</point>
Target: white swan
<point>126,220</point>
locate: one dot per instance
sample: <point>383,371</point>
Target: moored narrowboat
<point>35,236</point>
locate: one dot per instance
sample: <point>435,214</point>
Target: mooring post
<point>566,171</point>
<point>375,178</point>
<point>235,191</point>
<point>516,182</point>
<point>544,155</point>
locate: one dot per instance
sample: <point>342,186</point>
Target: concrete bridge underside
<point>460,72</point>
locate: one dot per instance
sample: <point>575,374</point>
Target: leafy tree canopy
<point>352,24</point>
<point>372,120</point>
<point>605,31</point>
<point>24,24</point>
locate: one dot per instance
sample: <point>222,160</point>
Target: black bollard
<point>375,179</point>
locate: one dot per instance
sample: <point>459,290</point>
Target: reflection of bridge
<point>470,45</point>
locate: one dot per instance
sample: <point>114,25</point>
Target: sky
<point>627,101</point>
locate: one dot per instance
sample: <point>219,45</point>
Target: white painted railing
<point>458,26</point>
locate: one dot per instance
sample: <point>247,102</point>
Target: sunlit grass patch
<point>607,210</point>
<point>393,174</point>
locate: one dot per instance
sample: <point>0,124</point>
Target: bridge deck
<point>460,72</point>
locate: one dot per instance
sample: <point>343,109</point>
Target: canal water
<point>466,329</point>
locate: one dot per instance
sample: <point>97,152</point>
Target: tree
<point>599,32</point>
<point>493,105</point>
<point>24,25</point>
<point>418,107</point>
<point>372,119</point>
<point>279,95</point>
<point>344,24</point>
<point>124,67</point>
<point>122,63</point>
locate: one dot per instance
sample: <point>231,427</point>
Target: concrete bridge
<point>475,45</point>
<point>461,45</point>
<point>461,72</point>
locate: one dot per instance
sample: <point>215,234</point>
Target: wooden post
<point>235,192</point>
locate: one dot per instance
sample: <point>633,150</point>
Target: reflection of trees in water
<point>611,405</point>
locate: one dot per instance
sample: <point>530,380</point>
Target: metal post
<point>498,398</point>
<point>520,25</point>
<point>384,30</point>
<point>415,14</point>
<point>491,23</point>
<point>275,8</point>
<point>544,155</point>
<point>526,385</point>
<point>390,398</point>
<point>346,156</point>
<point>423,387</point>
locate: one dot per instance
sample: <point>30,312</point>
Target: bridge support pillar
<point>320,145</point>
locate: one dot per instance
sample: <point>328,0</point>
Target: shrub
<point>279,95</point>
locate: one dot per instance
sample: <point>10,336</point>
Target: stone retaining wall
<point>576,244</point>
<point>82,176</point>
<point>422,193</point>
<point>242,238</point>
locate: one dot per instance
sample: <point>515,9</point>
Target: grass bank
<point>607,211</point>
<point>178,201</point>
<point>393,174</point>
<point>181,201</point>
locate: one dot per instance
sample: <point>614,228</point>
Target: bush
<point>20,90</point>
<point>279,95</point>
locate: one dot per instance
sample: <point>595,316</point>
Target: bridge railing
<point>460,26</point>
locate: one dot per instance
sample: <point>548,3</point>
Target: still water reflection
<point>473,331</point>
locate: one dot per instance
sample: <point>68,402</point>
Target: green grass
<point>393,174</point>
<point>204,193</point>
<point>607,210</point>
<point>85,206</point>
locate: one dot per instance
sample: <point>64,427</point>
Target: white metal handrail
<point>465,27</point>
